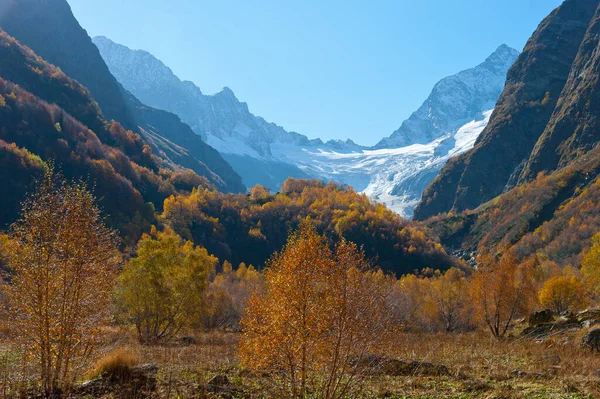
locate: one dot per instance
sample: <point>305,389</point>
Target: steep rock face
<point>574,127</point>
<point>533,89</point>
<point>455,100</point>
<point>51,30</point>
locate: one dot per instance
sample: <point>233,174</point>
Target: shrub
<point>116,364</point>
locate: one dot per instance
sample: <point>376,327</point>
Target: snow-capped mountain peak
<point>455,100</point>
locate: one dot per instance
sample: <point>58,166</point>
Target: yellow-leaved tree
<point>448,303</point>
<point>161,290</point>
<point>563,293</point>
<point>322,312</point>
<point>502,289</point>
<point>62,267</point>
<point>590,267</point>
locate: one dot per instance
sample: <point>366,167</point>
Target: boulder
<point>542,331</point>
<point>542,317</point>
<point>592,340</point>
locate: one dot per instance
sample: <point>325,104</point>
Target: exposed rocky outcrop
<point>592,340</point>
<point>544,118</point>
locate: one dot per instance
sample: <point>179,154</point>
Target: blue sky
<point>330,69</point>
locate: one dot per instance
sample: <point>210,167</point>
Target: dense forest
<point>240,228</point>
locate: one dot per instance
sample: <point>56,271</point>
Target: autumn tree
<point>502,289</point>
<point>563,293</point>
<point>321,312</point>
<point>407,302</point>
<point>62,265</point>
<point>447,302</point>
<point>227,294</point>
<point>590,266</point>
<point>161,290</point>
<point>259,193</point>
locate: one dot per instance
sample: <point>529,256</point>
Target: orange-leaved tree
<point>502,289</point>
<point>62,266</point>
<point>448,303</point>
<point>322,312</point>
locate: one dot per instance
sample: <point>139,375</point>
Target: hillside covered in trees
<point>240,228</point>
<point>49,117</point>
<point>531,182</point>
<point>52,32</point>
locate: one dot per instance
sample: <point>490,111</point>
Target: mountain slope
<point>52,121</point>
<point>220,119</point>
<point>550,209</point>
<point>536,90</point>
<point>393,173</point>
<point>131,183</point>
<point>51,30</point>
<point>552,217</point>
<point>35,23</point>
<point>574,125</point>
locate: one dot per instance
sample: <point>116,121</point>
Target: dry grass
<point>116,363</point>
<point>480,367</point>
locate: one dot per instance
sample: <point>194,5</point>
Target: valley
<point>160,242</point>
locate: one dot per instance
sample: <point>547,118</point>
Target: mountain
<point>546,116</point>
<point>551,218</point>
<point>220,119</point>
<point>263,153</point>
<point>50,29</point>
<point>455,100</point>
<point>446,125</point>
<point>531,184</point>
<point>48,117</point>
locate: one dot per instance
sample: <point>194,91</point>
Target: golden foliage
<point>321,313</point>
<point>502,289</point>
<point>447,302</point>
<point>227,294</point>
<point>242,228</point>
<point>590,266</point>
<point>161,290</point>
<point>563,293</point>
<point>62,268</point>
